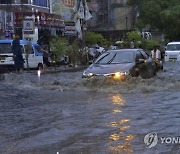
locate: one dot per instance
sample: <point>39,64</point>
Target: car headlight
<point>89,74</point>
<point>85,74</point>
<point>118,75</point>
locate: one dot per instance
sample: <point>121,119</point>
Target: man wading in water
<point>17,54</point>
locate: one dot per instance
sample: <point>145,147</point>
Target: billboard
<point>66,9</point>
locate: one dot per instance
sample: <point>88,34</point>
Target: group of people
<point>92,52</point>
<point>18,57</point>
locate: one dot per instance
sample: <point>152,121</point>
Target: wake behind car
<point>121,63</point>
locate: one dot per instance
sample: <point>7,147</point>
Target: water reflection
<point>123,121</point>
<point>116,111</point>
<point>114,137</point>
<point>118,99</point>
<point>123,128</point>
<point>120,141</point>
<point>118,123</point>
<point>129,137</point>
<point>125,147</point>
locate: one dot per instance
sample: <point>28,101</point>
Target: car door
<point>150,65</point>
<point>141,64</point>
<point>38,55</point>
<point>31,57</point>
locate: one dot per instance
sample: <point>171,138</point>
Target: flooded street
<point>63,113</point>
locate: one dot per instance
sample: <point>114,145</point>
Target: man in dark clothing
<point>45,55</point>
<point>17,54</point>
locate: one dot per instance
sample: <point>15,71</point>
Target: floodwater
<point>62,113</point>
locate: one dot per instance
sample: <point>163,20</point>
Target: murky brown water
<point>66,114</point>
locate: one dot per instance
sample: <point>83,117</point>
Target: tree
<point>135,37</point>
<point>163,15</point>
<point>73,53</point>
<point>93,38</point>
<point>58,47</point>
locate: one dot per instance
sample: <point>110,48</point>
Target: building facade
<point>37,14</point>
<point>112,18</point>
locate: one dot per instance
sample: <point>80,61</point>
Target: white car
<point>35,58</point>
<point>172,52</point>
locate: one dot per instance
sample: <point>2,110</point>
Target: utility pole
<point>83,26</point>
<point>82,14</point>
<point>126,24</point>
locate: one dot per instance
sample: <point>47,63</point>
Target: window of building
<point>43,3</point>
<point>6,1</point>
<point>24,1</point>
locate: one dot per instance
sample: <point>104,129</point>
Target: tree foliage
<point>94,38</point>
<point>160,14</point>
<point>73,52</point>
<point>135,37</point>
<point>149,44</point>
<point>59,47</point>
<point>140,42</point>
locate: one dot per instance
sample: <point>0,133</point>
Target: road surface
<point>62,113</point>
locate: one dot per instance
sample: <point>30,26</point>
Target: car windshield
<point>172,47</point>
<point>116,58</point>
<point>5,48</point>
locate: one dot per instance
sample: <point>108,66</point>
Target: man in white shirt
<point>156,55</point>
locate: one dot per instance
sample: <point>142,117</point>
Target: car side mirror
<point>140,61</point>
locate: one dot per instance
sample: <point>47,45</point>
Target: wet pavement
<point>63,113</point>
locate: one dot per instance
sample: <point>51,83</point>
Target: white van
<point>35,58</point>
<point>172,52</point>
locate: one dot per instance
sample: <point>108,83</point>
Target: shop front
<point>38,26</point>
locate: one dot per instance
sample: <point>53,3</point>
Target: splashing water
<point>166,80</point>
<point>39,74</point>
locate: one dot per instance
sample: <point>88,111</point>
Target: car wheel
<point>134,72</point>
<point>147,73</point>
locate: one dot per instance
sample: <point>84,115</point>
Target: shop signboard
<point>28,26</point>
<point>44,20</point>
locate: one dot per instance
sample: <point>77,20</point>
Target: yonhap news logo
<point>151,140</point>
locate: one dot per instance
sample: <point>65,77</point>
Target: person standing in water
<point>17,54</point>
